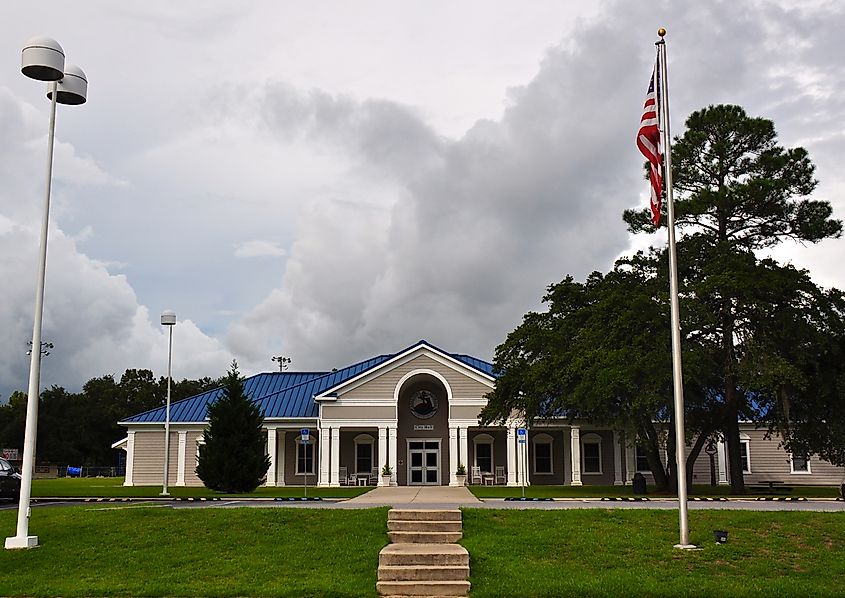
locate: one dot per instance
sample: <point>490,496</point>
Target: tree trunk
<point>695,451</point>
<point>650,444</point>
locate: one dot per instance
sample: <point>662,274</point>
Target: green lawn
<point>155,551</point>
<point>113,487</point>
<point>136,550</point>
<point>611,491</point>
<point>629,553</point>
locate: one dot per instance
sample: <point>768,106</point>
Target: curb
<point>709,498</point>
<point>625,499</point>
<point>781,498</point>
<point>527,499</point>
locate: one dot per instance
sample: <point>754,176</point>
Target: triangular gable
<point>466,366</point>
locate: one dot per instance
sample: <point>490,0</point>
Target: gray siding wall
<point>148,466</point>
<point>769,461</point>
<point>464,412</point>
<point>367,414</point>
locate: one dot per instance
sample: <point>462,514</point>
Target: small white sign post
<point>522,439</point>
<point>305,435</point>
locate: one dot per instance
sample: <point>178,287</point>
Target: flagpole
<point>677,375</point>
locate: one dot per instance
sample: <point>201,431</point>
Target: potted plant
<point>461,475</point>
<point>386,474</point>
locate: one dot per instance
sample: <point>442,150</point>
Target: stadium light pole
<point>42,59</point>
<point>168,318</point>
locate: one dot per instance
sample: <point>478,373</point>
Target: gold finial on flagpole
<point>661,32</point>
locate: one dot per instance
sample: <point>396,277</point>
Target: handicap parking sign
<point>305,433</point>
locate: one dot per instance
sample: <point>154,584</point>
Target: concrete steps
<point>422,559</point>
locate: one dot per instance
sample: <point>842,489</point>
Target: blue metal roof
<point>287,394</point>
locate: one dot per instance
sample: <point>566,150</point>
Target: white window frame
<point>543,438</point>
<point>745,439</point>
<point>298,442</point>
<point>591,438</point>
<point>364,439</point>
<point>636,460</point>
<point>794,471</point>
<point>200,441</point>
<point>483,439</point>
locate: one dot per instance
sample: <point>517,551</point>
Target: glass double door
<point>424,460</point>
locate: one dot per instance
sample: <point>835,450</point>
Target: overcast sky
<point>335,180</point>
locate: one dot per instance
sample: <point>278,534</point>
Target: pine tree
<point>737,192</point>
<point>232,458</point>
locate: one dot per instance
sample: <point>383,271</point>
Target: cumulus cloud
<point>476,227</point>
<point>92,317</point>
<point>394,197</point>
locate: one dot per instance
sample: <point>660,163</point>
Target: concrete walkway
<point>416,496</point>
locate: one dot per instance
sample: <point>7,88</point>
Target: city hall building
<point>417,412</point>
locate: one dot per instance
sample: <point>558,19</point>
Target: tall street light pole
<point>168,318</point>
<point>42,59</point>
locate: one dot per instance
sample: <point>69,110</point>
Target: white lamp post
<point>42,59</point>
<point>168,318</point>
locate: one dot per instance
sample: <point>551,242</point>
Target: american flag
<point>648,140</point>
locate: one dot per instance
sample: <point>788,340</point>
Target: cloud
<point>474,228</point>
<point>259,248</point>
<point>92,317</point>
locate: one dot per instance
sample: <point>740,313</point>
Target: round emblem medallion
<point>423,404</point>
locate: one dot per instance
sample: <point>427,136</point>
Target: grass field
<point>629,553</point>
<point>610,491</point>
<point>143,551</point>
<point>113,487</point>
<point>158,551</point>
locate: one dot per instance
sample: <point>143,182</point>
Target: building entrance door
<point>424,462</point>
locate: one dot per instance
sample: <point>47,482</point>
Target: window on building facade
<point>642,460</point>
<point>800,464</point>
<point>304,457</point>
<point>543,454</point>
<point>591,453</point>
<point>484,456</point>
<point>363,454</point>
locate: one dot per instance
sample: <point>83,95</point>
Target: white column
<point>453,455</point>
<point>722,458</point>
<point>630,463</point>
<point>130,458</point>
<point>382,452</point>
<point>392,450</point>
<point>524,470</point>
<point>323,464</point>
<point>180,458</point>
<point>280,465</point>
<point>334,462</point>
<point>575,450</point>
<point>463,452</point>
<point>271,452</point>
<point>512,477</point>
<point>618,474</point>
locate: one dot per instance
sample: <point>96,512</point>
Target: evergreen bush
<point>232,458</point>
